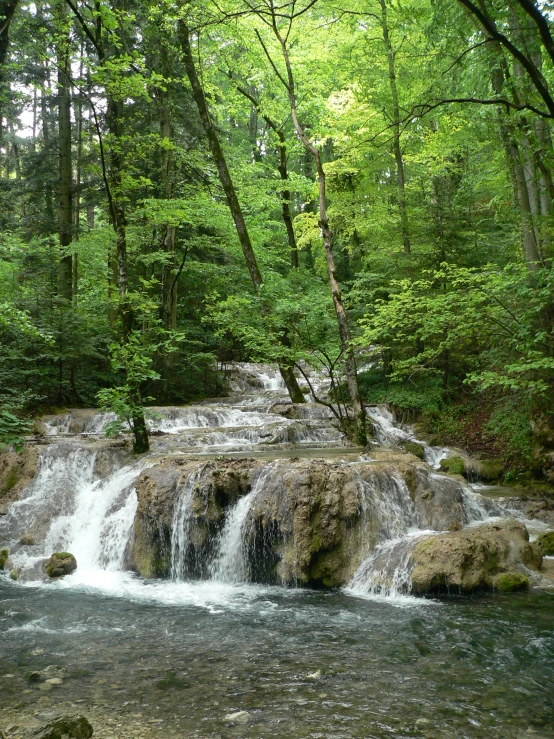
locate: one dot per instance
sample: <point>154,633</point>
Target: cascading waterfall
<point>180,529</point>
<point>386,572</point>
<point>389,432</point>
<point>230,564</point>
<point>73,506</point>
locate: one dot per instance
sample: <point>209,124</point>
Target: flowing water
<point>178,657</point>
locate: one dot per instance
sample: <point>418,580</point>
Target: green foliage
<point>12,429</point>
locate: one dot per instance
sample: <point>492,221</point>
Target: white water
<point>389,432</point>
<point>182,517</point>
<point>231,564</point>
<point>386,572</point>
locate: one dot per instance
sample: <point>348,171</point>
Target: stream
<point>223,656</point>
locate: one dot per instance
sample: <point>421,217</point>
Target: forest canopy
<point>363,186</point>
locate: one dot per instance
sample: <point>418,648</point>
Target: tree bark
<point>218,155</point>
<point>359,431</point>
<point>396,130</point>
<point>65,215</point>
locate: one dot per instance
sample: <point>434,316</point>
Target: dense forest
<point>364,187</point>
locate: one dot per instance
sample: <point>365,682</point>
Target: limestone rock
<point>60,564</point>
<point>311,523</point>
<point>471,559</point>
<point>65,727</point>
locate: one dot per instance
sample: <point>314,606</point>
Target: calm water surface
<point>180,657</point>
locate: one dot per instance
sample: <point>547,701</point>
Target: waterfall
<point>386,501</point>
<point>230,564</point>
<point>387,570</point>
<point>180,529</point>
<point>388,432</point>
<point>98,529</point>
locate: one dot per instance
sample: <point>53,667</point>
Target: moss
<point>4,554</point>
<point>453,465</point>
<point>416,449</point>
<point>546,543</point>
<point>14,574</point>
<point>509,582</point>
<point>27,540</point>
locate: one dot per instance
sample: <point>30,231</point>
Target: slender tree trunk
<point>285,200</point>
<point>65,215</point>
<point>396,130</point>
<point>168,173</point>
<point>513,157</point>
<point>218,155</point>
<point>359,432</point>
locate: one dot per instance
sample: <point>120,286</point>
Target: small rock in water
<point>46,686</point>
<point>8,676</point>
<point>314,675</point>
<point>54,671</point>
<point>422,722</point>
<point>74,727</point>
<point>54,681</point>
<point>240,717</point>
<point>60,564</point>
<point>34,676</point>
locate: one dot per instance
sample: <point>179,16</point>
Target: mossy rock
<point>70,727</point>
<point>490,470</point>
<point>27,540</point>
<point>414,448</point>
<point>14,574</point>
<point>546,544</point>
<point>60,564</point>
<point>453,465</point>
<point>4,554</point>
<point>509,582</point>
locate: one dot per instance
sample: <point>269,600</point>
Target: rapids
<point>176,656</point>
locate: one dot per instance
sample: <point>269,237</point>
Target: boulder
<point>475,559</point>
<point>545,542</point>
<point>65,727</point>
<point>60,564</point>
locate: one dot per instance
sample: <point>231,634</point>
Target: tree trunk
<point>65,215</point>
<point>359,431</point>
<point>229,189</point>
<point>285,200</point>
<point>168,172</point>
<point>396,130</point>
<point>219,157</point>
